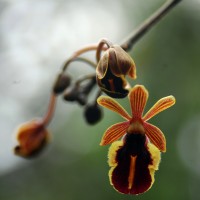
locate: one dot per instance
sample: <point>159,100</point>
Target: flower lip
<point>113,86</point>
<point>133,162</point>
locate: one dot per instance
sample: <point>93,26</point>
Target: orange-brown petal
<point>159,106</point>
<point>114,132</point>
<point>132,72</point>
<point>138,97</point>
<point>111,104</point>
<point>32,137</point>
<point>155,135</point>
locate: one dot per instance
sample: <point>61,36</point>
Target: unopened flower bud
<point>82,99</point>
<point>93,113</point>
<point>32,137</point>
<point>79,92</point>
<point>111,70</point>
<point>61,83</point>
<point>86,89</point>
<point>71,93</point>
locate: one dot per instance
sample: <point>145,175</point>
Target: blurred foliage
<point>74,166</point>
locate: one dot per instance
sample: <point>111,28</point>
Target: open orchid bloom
<point>134,159</point>
<point>32,137</point>
<point>111,70</point>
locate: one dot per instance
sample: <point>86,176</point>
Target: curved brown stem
<point>89,76</point>
<point>79,52</point>
<point>86,61</point>
<point>101,47</point>
<point>50,111</point>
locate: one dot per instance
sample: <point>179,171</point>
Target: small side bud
<point>79,92</point>
<point>86,89</point>
<point>93,113</point>
<point>61,83</point>
<point>32,137</point>
<point>82,99</point>
<point>71,93</point>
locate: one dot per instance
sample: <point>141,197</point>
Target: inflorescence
<point>136,145</point>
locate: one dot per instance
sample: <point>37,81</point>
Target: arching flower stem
<point>77,53</point>
<point>101,46</point>
<point>50,111</point>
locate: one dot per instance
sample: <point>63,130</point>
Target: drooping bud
<point>93,113</point>
<point>82,99</point>
<point>61,83</point>
<point>79,92</point>
<point>84,90</point>
<point>111,70</point>
<point>32,137</point>
<point>71,93</point>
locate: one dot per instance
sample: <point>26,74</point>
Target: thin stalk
<point>50,111</point>
<point>77,53</point>
<point>101,47</point>
<point>86,61</point>
<point>89,76</point>
<point>99,92</point>
<point>139,32</point>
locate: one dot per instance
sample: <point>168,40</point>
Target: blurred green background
<point>36,37</point>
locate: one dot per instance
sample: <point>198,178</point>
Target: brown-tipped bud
<point>111,70</point>
<point>61,83</point>
<point>32,137</point>
<point>93,113</point>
